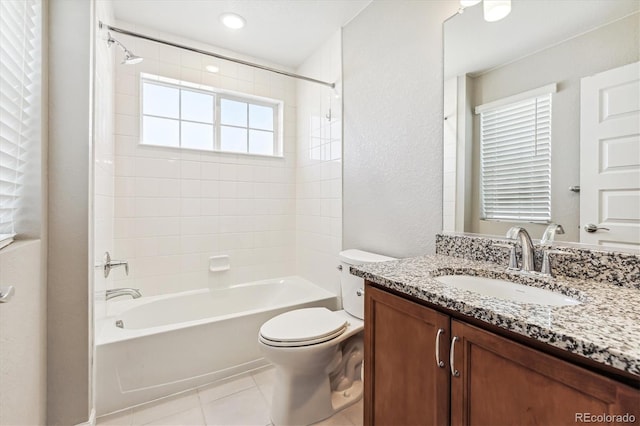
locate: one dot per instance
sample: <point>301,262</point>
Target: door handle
<point>6,293</point>
<point>438,360</point>
<point>590,228</point>
<point>454,370</point>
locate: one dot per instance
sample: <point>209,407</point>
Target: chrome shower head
<point>129,57</point>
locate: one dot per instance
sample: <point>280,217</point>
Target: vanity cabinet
<point>403,383</point>
<point>493,380</point>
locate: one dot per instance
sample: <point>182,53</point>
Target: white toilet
<point>318,353</point>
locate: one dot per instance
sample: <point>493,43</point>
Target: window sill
<point>209,151</point>
<point>6,239</point>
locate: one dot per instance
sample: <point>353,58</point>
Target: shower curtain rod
<point>215,55</point>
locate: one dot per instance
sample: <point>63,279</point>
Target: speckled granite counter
<point>605,327</point>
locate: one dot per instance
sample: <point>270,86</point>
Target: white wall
<point>566,63</point>
<point>103,157</point>
<point>175,208</point>
<point>392,73</point>
<point>319,167</point>
<point>23,336</point>
<point>68,303</point>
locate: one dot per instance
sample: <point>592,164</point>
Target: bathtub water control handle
<point>339,267</point>
<point>360,292</point>
<point>108,264</point>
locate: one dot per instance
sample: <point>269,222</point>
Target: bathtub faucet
<point>117,292</point>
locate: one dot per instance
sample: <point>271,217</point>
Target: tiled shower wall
<point>319,168</point>
<point>176,208</point>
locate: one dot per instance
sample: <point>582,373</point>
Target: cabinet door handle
<point>454,371</point>
<point>438,360</point>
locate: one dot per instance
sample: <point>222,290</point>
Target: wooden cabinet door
<point>501,382</point>
<point>403,383</point>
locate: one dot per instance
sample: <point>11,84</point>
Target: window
<point>515,158</point>
<point>20,39</point>
<point>183,115</point>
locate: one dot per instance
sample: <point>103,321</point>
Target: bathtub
<point>171,343</point>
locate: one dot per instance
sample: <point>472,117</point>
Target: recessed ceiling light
<point>232,20</point>
<point>212,68</point>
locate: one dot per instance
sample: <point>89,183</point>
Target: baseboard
<point>91,421</point>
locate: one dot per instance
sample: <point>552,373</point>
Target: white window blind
<point>20,41</point>
<point>515,160</point>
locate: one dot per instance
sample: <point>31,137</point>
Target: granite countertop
<point>605,327</point>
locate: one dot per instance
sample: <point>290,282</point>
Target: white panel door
<point>610,157</point>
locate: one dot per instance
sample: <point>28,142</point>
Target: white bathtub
<point>180,341</point>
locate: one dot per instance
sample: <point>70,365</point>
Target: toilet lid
<point>303,327</point>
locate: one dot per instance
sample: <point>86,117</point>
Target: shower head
<point>129,57</point>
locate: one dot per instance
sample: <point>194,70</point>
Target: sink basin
<point>507,290</point>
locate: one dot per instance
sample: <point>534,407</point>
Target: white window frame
<point>526,195</point>
<point>180,120</point>
<point>244,99</point>
<point>218,95</point>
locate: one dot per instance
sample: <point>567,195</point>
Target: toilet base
<point>312,402</point>
<point>313,392</point>
<point>314,382</point>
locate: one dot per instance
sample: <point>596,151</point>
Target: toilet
<point>318,353</point>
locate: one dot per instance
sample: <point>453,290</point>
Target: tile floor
<point>243,400</point>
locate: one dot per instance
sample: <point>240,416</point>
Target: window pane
<point>197,136</point>
<point>197,106</point>
<point>160,131</point>
<point>233,139</point>
<point>160,100</point>
<point>233,113</point>
<point>260,142</point>
<point>260,117</point>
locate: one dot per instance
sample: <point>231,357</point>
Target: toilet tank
<point>353,302</point>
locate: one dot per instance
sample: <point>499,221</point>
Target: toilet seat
<point>302,327</point>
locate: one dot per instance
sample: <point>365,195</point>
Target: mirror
<point>541,43</point>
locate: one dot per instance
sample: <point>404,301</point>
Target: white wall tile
<point>318,188</point>
<point>126,125</point>
<point>176,208</point>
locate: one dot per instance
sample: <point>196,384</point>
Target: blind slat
<point>20,40</point>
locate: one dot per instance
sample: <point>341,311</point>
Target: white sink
<point>507,290</point>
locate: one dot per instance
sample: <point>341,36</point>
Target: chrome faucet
<point>521,235</point>
<point>117,292</point>
<point>550,233</point>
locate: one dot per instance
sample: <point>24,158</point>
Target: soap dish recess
<point>219,263</point>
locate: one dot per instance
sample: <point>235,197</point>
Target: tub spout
<point>117,292</point>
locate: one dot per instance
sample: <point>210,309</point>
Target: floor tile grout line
<point>227,395</point>
<point>204,418</point>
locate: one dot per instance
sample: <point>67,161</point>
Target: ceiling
<point>473,45</point>
<point>284,32</point>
